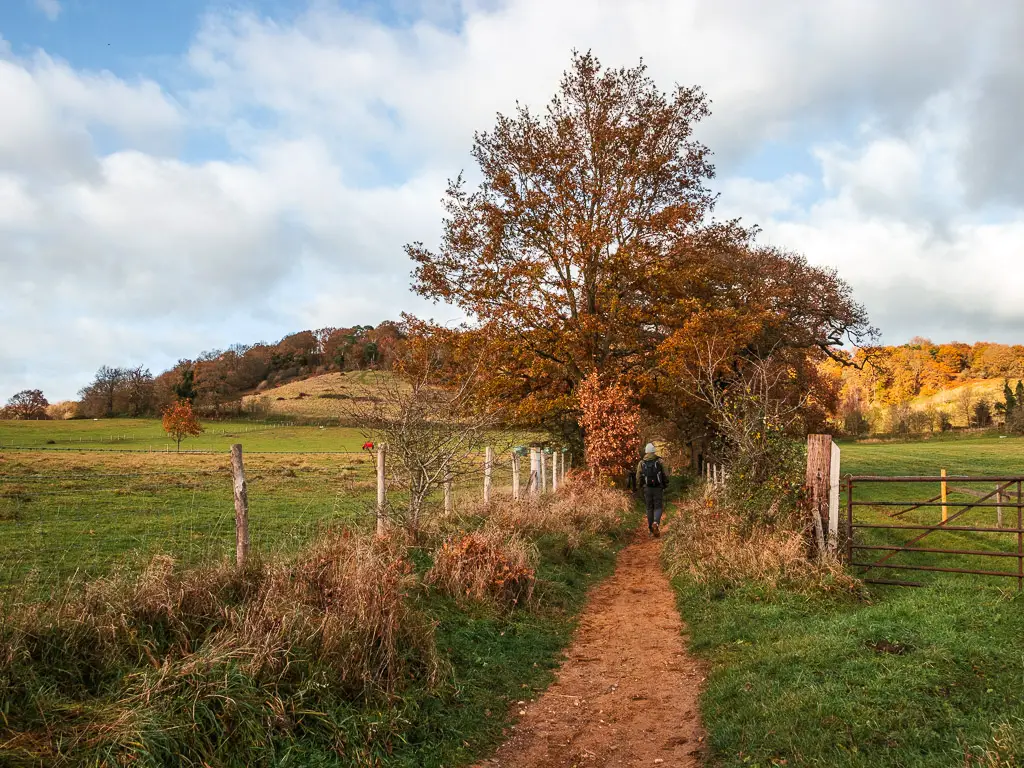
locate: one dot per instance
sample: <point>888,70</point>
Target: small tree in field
<point>610,418</point>
<point>180,421</point>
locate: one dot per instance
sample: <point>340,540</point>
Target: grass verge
<point>927,677</point>
<point>806,668</point>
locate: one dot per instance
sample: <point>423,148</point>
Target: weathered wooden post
<point>241,506</point>
<point>488,464</point>
<point>449,503</point>
<point>534,484</point>
<point>819,473</point>
<point>382,499</point>
<point>554,471</point>
<point>543,470</point>
<point>833,499</point>
<point>999,506</point>
<point>515,475</point>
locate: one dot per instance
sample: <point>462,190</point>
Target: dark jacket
<point>641,481</point>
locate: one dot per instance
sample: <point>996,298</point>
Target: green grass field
<point>84,504</point>
<point>908,677</point>
<point>148,435</point>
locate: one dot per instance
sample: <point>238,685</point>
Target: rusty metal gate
<point>886,525</point>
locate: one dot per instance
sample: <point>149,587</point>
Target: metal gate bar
<point>961,508</point>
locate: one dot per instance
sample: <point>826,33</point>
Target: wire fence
<point>57,525</point>
<point>64,517</point>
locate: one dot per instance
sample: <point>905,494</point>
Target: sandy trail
<point>627,693</point>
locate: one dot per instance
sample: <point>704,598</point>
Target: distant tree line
<point>215,381</point>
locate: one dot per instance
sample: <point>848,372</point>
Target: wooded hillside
<point>922,386</point>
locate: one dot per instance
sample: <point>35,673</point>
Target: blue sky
<point>180,176</point>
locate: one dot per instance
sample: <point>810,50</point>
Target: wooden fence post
<point>449,503</point>
<point>488,464</point>
<point>534,486</point>
<point>819,472</point>
<point>554,472</point>
<point>241,506</point>
<point>833,499</point>
<point>382,500</point>
<point>999,506</point>
<point>515,476</point>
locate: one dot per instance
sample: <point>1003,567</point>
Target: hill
<point>921,386</point>
<point>329,395</point>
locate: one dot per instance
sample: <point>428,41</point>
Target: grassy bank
<point>927,677</point>
<point>353,651</point>
<point>805,671</point>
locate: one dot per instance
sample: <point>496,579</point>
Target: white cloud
<point>116,248</point>
<point>51,8</point>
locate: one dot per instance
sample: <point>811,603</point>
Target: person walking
<point>651,476</point>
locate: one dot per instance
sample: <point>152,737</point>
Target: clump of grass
<point>716,546</point>
<point>578,512</point>
<point>1003,749</point>
<point>492,565</point>
<point>196,663</point>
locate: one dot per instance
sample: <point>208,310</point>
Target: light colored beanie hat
<point>649,448</point>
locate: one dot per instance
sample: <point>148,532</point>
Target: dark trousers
<point>654,498</point>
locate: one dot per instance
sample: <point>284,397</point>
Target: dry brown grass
<point>492,565</point>
<point>711,544</point>
<point>174,645</point>
<point>579,510</point>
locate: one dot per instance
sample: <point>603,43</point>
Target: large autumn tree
<point>588,246</point>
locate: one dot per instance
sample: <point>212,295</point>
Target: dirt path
<point>627,694</point>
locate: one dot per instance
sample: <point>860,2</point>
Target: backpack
<point>652,474</point>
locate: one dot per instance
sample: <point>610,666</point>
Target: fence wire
<point>96,514</point>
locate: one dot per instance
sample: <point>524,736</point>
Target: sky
<point>179,177</point>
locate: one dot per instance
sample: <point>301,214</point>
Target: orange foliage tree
<point>610,418</point>
<point>180,421</point>
<point>588,246</point>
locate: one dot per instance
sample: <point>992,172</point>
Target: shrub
<point>765,486</point>
<point>610,418</point>
<point>493,565</point>
<point>65,409</point>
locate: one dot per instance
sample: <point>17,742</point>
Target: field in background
<point>989,390</point>
<point>148,435</point>
<point>327,396</point>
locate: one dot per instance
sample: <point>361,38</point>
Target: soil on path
<point>627,693</point>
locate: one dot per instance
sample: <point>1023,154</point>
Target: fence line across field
<point>190,506</point>
<point>537,483</point>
